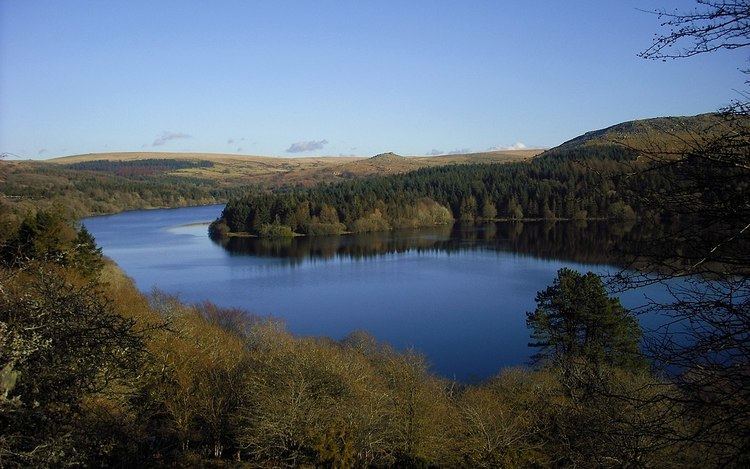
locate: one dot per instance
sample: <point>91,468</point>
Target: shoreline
<point>245,234</point>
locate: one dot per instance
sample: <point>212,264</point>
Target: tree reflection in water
<point>583,241</point>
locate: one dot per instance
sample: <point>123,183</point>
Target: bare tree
<point>703,257</point>
<point>714,25</point>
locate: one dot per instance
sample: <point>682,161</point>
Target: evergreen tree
<point>468,208</point>
<point>87,255</point>
<point>575,318</point>
<point>328,214</point>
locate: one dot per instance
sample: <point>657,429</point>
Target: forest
<point>584,182</point>
<point>142,167</point>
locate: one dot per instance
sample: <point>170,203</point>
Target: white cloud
<point>515,146</point>
<point>167,136</point>
<point>309,145</point>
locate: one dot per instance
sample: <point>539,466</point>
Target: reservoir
<point>456,294</point>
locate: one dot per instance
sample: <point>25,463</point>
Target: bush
<point>317,228</point>
<point>371,222</point>
<point>275,231</point>
<point>66,358</point>
<point>621,210</point>
<point>426,212</point>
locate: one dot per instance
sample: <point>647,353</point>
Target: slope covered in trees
<point>545,188</point>
<point>586,177</point>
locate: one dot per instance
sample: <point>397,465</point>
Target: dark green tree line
<point>582,182</point>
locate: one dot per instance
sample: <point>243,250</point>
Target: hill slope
<point>111,182</point>
<point>580,179</point>
<point>132,180</point>
<point>277,171</point>
<point>654,134</point>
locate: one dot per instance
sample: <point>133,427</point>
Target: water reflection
<point>596,242</point>
<point>458,293</point>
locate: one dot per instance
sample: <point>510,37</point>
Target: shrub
<point>371,222</point>
<point>275,231</point>
<point>317,228</point>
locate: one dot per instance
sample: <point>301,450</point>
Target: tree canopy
<point>575,318</point>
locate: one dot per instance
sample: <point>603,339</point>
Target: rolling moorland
<point>86,185</point>
<point>116,377</point>
<point>274,171</point>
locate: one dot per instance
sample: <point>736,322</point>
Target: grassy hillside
<point>650,135</point>
<point>279,171</point>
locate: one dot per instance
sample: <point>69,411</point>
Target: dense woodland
<point>135,168</point>
<point>580,183</point>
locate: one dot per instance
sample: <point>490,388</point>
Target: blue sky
<point>328,78</point>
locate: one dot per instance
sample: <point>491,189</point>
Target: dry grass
<point>275,171</point>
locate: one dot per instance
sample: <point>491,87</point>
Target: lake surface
<point>457,294</point>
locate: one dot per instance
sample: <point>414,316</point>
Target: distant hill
<point>391,163</point>
<point>232,169</point>
<point>655,134</point>
<point>226,169</point>
<point>110,182</point>
<point>389,156</point>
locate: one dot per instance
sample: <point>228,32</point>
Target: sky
<point>294,78</point>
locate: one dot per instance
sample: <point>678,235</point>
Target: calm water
<point>458,295</point>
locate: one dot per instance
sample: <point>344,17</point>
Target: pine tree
<point>575,318</point>
<point>87,256</point>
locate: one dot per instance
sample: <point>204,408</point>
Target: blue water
<point>458,295</point>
